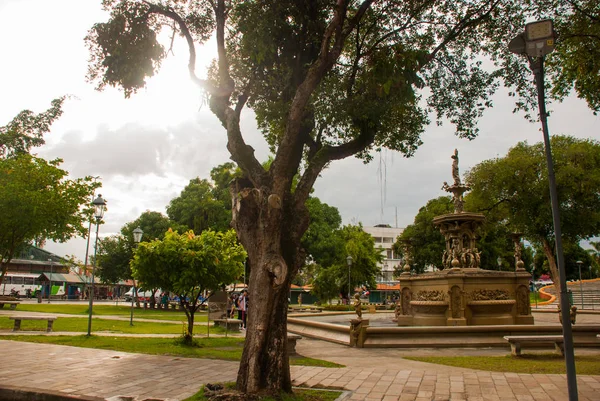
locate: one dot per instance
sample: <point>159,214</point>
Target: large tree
<point>37,199</point>
<point>338,278</point>
<point>189,264</point>
<point>326,80</point>
<point>515,189</point>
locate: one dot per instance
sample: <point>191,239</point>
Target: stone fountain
<point>461,293</point>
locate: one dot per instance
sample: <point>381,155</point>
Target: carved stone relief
<point>433,295</point>
<point>489,295</point>
<point>523,305</point>
<point>456,302</point>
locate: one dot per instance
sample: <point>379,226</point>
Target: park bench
<point>18,319</point>
<point>13,304</point>
<point>516,342</point>
<point>291,343</point>
<point>229,324</point>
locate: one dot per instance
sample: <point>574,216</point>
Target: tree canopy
<point>427,243</point>
<point>27,129</point>
<point>38,201</point>
<point>515,190</point>
<point>337,278</point>
<point>188,264</point>
<point>116,251</point>
<point>200,206</point>
<point>326,80</point>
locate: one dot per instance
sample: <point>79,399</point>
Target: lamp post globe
<point>137,237</point>
<point>99,209</point>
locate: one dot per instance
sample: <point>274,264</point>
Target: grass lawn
<point>527,363</point>
<point>212,348</point>
<point>103,310</point>
<point>300,394</point>
<point>77,324</point>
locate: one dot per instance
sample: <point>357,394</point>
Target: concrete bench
<point>13,304</point>
<point>17,319</point>
<point>229,324</point>
<point>291,343</point>
<point>516,342</point>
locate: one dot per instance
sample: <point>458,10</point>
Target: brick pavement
<point>102,373</point>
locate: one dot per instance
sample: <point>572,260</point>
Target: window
<point>7,280</point>
<point>388,240</point>
<point>390,254</point>
<point>28,280</point>
<point>17,280</point>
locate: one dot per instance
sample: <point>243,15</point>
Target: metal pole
<point>50,288</point>
<point>537,67</point>
<point>133,293</point>
<point>349,290</point>
<point>91,304</point>
<point>581,285</point>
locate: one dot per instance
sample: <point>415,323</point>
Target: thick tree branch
<point>324,156</point>
<point>169,13</point>
<point>241,153</point>
<point>289,154</point>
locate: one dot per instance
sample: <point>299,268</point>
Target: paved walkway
<point>370,375</point>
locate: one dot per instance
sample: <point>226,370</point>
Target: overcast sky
<point>147,148</point>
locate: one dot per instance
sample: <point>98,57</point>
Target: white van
<point>143,295</point>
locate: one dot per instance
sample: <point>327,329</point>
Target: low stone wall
<point>436,336</point>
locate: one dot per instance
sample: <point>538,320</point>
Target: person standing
<point>243,307</point>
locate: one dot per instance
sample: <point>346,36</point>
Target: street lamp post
<point>50,287</point>
<point>349,261</point>
<point>535,43</point>
<point>579,263</point>
<point>535,295</point>
<point>99,208</point>
<point>137,237</point>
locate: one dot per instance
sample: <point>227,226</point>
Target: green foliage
<point>115,252</point>
<point>513,190</point>
<point>516,188</point>
<point>124,51</point>
<point>201,206</point>
<point>321,240</point>
<point>332,280</point>
<point>38,201</point>
<point>188,264</point>
<point>575,64</point>
<point>153,224</point>
<point>528,363</point>
<point>427,243</point>
<point>26,130</point>
<point>112,259</point>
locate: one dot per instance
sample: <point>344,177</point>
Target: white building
<point>385,236</point>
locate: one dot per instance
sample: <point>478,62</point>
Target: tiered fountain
<point>461,293</point>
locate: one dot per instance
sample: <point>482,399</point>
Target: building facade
<point>385,236</point>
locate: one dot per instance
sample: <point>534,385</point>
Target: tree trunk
<point>270,230</point>
<point>549,252</point>
<point>190,329</point>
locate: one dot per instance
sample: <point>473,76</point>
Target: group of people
<point>239,306</point>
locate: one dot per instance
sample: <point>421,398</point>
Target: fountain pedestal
<point>461,293</point>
